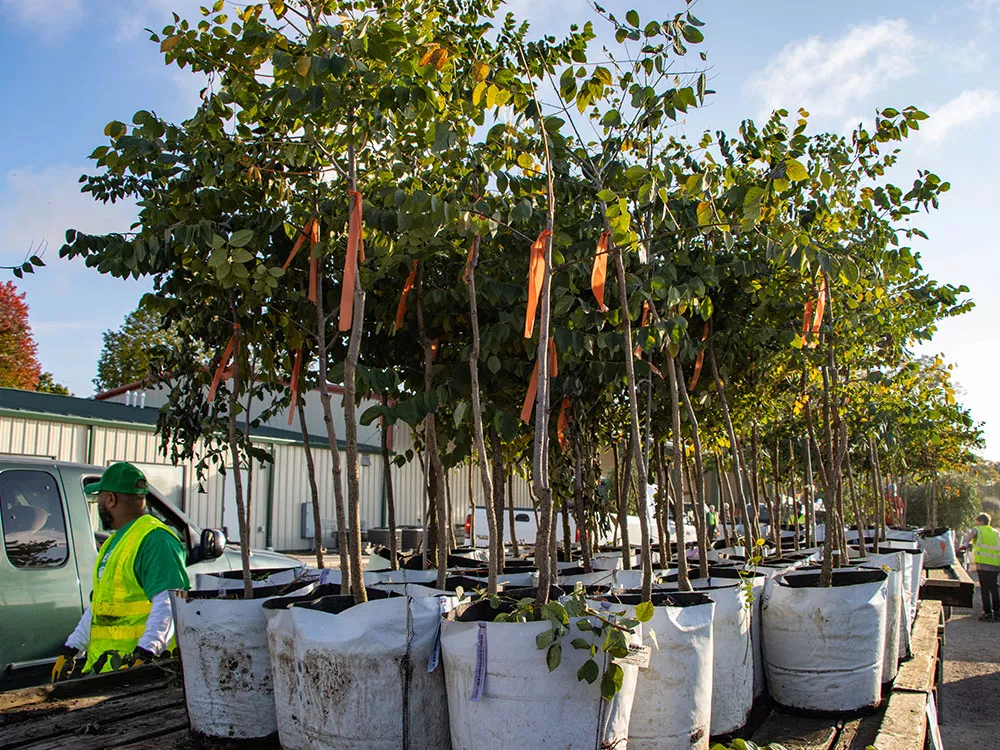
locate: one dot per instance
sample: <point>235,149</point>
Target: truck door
<point>39,581</point>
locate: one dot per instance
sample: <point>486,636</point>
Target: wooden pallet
<point>951,586</point>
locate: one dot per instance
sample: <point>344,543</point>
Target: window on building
<point>32,518</point>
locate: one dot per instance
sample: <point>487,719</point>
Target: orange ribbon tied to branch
<point>401,308</point>
<point>820,304</point>
<point>637,352</point>
<point>469,261</point>
<point>536,277</point>
<point>699,361</point>
<point>223,368</point>
<point>309,232</point>
<point>600,272</point>
<point>812,321</point>
<point>355,248</point>
<point>529,397</point>
<point>561,424</point>
<point>296,372</point>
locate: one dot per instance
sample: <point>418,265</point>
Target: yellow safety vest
<point>119,607</point>
<point>986,548</point>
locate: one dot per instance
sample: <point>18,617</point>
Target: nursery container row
<point>419,667</point>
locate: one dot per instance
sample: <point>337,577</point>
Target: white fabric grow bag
<point>522,703</point>
<point>895,627</point>
<point>938,547</point>
<point>732,653</point>
<point>217,582</point>
<point>363,682</point>
<point>823,646</point>
<point>672,709</point>
<point>227,670</point>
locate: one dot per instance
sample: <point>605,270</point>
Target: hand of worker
<point>65,663</point>
<point>139,657</point>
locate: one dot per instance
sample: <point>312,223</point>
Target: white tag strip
<point>435,659</point>
<point>479,675</point>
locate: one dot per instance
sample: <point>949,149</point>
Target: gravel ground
<point>970,695</point>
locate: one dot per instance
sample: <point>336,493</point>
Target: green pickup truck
<point>51,537</point>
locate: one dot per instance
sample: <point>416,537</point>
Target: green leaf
<point>115,129</point>
<point>706,215</point>
<point>795,171</point>
<point>477,92</point>
<point>554,656</point>
<point>652,29</point>
<point>589,671</point>
<point>632,17</point>
<point>460,411</point>
<point>303,64</point>
<point>636,172</point>
<point>644,612</point>
<point>241,237</point>
<point>218,257</point>
<point>608,196</point>
<point>580,643</point>
<point>543,639</point>
<point>611,683</point>
<point>242,256</point>
<point>493,363</point>
<point>692,35</point>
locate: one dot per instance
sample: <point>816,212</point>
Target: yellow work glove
<point>139,657</point>
<point>65,663</point>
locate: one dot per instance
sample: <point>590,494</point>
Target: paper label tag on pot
<point>638,656</point>
<point>479,675</point>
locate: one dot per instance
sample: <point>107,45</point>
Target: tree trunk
<point>497,549</point>
<point>514,549</point>
<point>331,436</point>
<point>662,507</point>
<point>479,438</point>
<point>579,509</point>
<point>626,485</point>
<point>683,583</point>
<point>749,533</point>
<point>452,541</point>
<point>777,505</point>
<point>313,488</point>
<point>471,541</point>
<point>726,499</point>
<point>234,449</point>
<point>390,499</point>
<point>430,440</point>
<point>699,473</point>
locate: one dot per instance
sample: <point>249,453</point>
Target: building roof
<point>52,407</point>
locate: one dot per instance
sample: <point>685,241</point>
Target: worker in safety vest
<point>712,522</point>
<point>129,621</point>
<point>986,555</point>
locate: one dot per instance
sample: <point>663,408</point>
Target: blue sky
<point>73,65</point>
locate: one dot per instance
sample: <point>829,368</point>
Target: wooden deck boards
<point>951,586</point>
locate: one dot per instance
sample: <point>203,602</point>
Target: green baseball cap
<point>120,477</point>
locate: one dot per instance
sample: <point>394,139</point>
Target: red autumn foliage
<point>19,367</point>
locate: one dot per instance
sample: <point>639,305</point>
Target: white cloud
<point>49,18</point>
<point>38,205</point>
<point>968,107</point>
<point>831,77</point>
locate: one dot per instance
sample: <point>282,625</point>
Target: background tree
<point>47,384</point>
<point>128,353</point>
<point>19,366</point>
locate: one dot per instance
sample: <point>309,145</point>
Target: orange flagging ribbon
<point>561,424</point>
<point>529,398</point>
<point>296,371</point>
<point>637,352</point>
<point>699,361</point>
<point>355,248</point>
<point>401,308</point>
<point>469,261</point>
<point>536,276</point>
<point>309,232</point>
<point>600,273</point>
<point>811,328</point>
<point>221,371</point>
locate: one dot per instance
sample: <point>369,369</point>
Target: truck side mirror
<point>213,544</point>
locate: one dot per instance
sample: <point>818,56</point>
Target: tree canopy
<point>390,193</point>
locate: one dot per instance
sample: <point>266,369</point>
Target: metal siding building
<point>101,432</point>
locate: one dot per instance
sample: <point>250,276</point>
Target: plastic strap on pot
<point>479,675</point>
